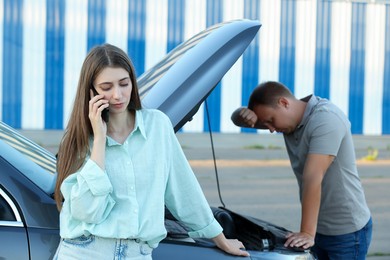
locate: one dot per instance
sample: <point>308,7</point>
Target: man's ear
<point>284,102</point>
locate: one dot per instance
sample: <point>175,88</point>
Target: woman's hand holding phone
<point>96,106</point>
<point>105,111</point>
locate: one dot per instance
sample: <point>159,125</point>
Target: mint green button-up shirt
<point>126,200</point>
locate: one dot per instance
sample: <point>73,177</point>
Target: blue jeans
<point>352,246</point>
<point>93,247</point>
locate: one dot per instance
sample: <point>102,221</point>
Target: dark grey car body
<point>29,220</point>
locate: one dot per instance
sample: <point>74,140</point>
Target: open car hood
<point>183,79</point>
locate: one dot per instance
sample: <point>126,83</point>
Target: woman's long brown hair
<point>74,145</point>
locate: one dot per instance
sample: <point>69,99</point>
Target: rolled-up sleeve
<point>210,231</point>
<point>88,194</point>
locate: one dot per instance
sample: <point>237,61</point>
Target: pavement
<point>255,177</point>
<point>267,146</point>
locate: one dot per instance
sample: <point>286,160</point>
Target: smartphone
<point>105,111</point>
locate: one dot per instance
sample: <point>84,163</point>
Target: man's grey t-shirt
<point>325,129</point>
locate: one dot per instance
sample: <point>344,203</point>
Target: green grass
<point>274,147</point>
<point>379,254</point>
<point>262,147</point>
<point>255,147</point>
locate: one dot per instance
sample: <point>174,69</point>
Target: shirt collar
<point>138,126</point>
<point>139,123</point>
<point>311,101</point>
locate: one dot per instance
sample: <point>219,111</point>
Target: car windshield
<point>29,149</point>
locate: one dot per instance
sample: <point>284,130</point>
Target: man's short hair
<point>268,94</point>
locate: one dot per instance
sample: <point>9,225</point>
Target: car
<point>29,219</point>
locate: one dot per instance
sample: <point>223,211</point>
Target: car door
<point>29,217</point>
<point>13,235</point>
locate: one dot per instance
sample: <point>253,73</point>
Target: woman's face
<point>115,84</point>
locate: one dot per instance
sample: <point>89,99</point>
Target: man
<point>335,216</point>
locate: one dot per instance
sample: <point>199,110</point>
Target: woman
<point>115,177</point>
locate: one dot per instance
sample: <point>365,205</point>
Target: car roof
<point>177,86</point>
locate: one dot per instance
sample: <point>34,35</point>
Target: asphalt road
<point>256,179</point>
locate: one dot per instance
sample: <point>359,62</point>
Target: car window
<point>9,214</point>
<point>6,211</point>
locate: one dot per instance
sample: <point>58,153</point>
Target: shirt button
<point>135,211</point>
<point>132,187</point>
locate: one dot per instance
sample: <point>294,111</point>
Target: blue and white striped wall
<point>336,49</point>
